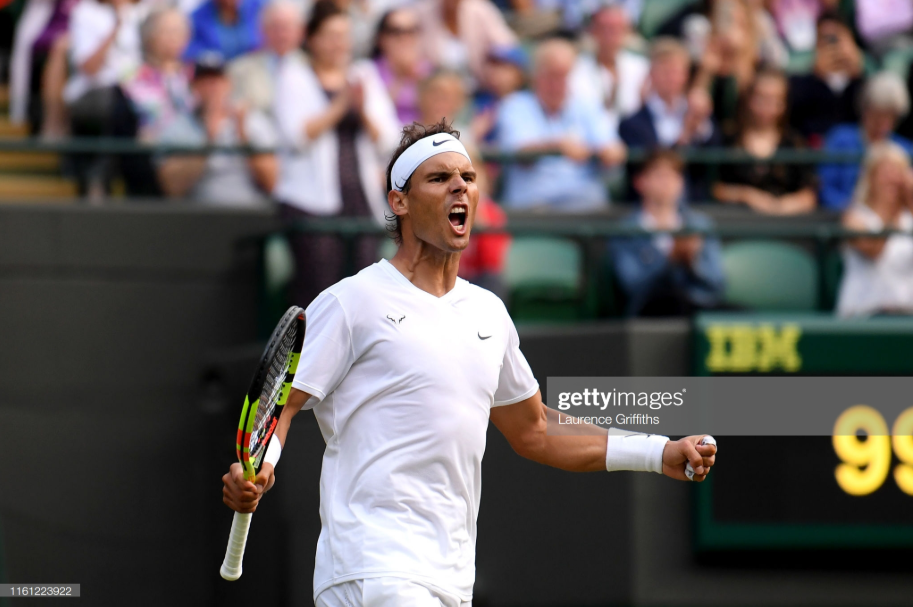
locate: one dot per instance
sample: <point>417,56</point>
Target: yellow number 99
<point>903,447</point>
<point>866,462</point>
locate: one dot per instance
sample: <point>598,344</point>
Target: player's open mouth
<point>457,217</point>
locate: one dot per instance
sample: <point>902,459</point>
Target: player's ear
<point>398,201</point>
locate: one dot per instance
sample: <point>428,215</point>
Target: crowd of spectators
<point>320,89</point>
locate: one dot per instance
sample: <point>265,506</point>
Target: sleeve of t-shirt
<point>327,353</point>
<point>261,133</point>
<point>516,382</point>
<point>88,29</point>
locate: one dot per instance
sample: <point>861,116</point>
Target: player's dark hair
<point>322,11</point>
<point>412,133</point>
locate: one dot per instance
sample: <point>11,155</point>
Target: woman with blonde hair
<point>878,271</point>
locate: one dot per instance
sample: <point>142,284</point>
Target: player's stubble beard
<point>430,225</point>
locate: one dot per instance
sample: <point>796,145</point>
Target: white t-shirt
<point>871,286</point>
<point>622,96</point>
<point>90,25</point>
<point>403,383</point>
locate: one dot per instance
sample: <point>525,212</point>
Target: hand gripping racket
<point>263,404</point>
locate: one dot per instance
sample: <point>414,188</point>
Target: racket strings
<point>272,387</point>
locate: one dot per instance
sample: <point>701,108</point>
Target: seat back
<point>770,275</point>
<point>543,277</point>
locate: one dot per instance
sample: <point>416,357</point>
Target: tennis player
<point>404,364</point>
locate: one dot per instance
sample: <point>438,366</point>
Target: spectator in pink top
<point>160,89</point>
<point>884,24</point>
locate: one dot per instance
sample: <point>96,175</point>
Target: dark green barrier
<point>804,345</point>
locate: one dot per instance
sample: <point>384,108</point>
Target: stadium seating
<point>26,175</point>
<point>770,276</point>
<point>898,61</point>
<point>832,274</point>
<point>543,277</point>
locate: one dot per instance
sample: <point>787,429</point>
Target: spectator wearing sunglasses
<point>399,62</point>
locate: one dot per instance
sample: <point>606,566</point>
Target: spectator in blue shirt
<point>665,275</point>
<point>547,119</point>
<point>228,27</point>
<point>885,101</point>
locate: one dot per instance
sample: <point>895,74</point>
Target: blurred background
<point>669,187</point>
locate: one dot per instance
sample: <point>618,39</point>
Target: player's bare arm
<point>242,495</point>
<point>525,426</point>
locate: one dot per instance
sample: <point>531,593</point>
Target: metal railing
<point>570,226</point>
<point>123,146</point>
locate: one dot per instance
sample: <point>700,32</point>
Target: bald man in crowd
<point>253,76</point>
<point>548,119</point>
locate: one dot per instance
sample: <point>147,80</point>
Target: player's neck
<point>428,268</point>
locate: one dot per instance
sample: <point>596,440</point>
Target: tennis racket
<point>263,404</point>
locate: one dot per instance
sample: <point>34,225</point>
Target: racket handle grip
<point>234,553</point>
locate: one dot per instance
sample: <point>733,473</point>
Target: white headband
<point>419,152</point>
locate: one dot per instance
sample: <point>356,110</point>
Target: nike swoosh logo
<point>437,143</point>
<point>483,338</point>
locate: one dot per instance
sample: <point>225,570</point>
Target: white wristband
<point>273,451</point>
<point>626,450</point>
